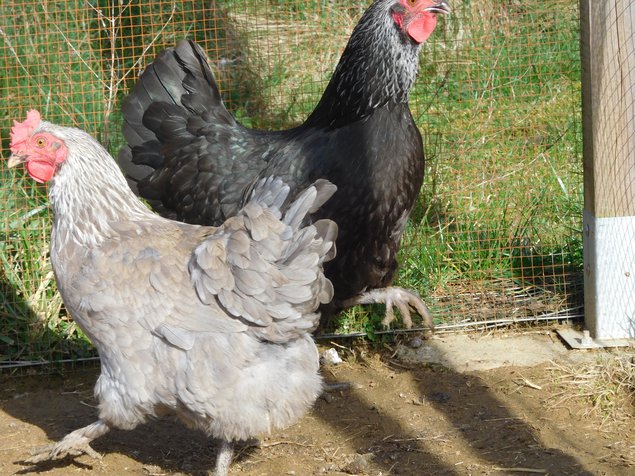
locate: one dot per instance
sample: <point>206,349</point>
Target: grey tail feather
<point>327,230</point>
<point>325,190</point>
<point>308,201</point>
<point>273,191</point>
<point>270,192</point>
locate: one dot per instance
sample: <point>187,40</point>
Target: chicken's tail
<point>265,265</point>
<point>175,88</point>
<point>272,193</point>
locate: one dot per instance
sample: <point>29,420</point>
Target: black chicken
<point>193,162</point>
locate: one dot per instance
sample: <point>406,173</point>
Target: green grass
<point>33,325</point>
<point>496,232</point>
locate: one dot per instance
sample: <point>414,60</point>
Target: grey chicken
<point>212,324</point>
<point>189,157</point>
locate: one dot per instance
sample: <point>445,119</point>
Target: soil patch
<point>404,418</point>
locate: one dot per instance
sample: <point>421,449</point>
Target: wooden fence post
<point>608,104</point>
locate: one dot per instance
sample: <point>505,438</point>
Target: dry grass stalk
<point>608,384</point>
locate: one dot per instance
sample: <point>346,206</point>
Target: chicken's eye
<point>40,142</point>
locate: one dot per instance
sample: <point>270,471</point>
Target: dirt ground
<point>402,418</point>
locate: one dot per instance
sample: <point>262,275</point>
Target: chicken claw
<point>75,443</point>
<point>392,296</point>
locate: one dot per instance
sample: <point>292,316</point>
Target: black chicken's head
<point>418,18</point>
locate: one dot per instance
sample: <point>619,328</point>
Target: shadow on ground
<point>404,419</point>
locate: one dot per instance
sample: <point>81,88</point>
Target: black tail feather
<point>178,86</point>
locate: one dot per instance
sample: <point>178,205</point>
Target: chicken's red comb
<point>21,131</point>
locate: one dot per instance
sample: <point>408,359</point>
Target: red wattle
<point>40,171</point>
<point>422,27</point>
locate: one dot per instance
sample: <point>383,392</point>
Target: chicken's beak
<point>16,159</point>
<point>439,7</point>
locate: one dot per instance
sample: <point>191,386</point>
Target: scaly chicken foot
<point>404,299</point>
<point>224,458</point>
<point>75,443</point>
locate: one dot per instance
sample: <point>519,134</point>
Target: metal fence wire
<point>496,234</point>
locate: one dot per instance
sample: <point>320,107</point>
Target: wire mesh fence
<point>496,233</point>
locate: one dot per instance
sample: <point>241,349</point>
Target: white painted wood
<point>609,276</point>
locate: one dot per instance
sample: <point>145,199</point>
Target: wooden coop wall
<point>496,234</point>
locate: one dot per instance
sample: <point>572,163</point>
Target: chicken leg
<point>224,458</point>
<point>74,444</point>
<point>77,443</point>
<point>403,299</point>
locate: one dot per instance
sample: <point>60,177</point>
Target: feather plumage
<point>361,137</point>
<point>210,323</point>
